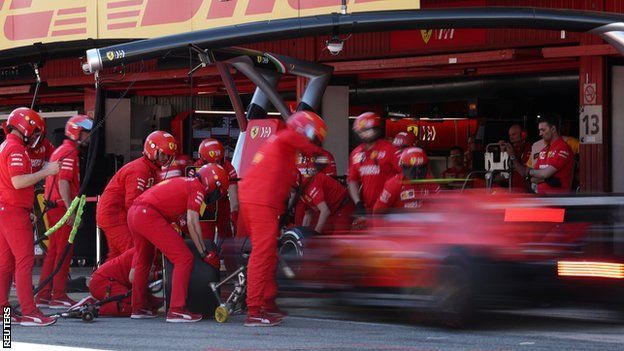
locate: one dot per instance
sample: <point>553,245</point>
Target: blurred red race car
<point>460,252</point>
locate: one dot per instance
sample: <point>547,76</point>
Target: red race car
<point>460,252</point>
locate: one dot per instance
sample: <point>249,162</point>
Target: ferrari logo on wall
<point>426,34</point>
<point>254,132</point>
<point>413,129</point>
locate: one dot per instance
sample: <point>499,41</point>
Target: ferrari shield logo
<point>110,55</point>
<point>426,35</point>
<point>254,132</point>
<point>413,129</point>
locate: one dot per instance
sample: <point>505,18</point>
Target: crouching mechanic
<point>263,194</point>
<point>126,185</point>
<point>399,192</point>
<point>326,196</point>
<point>114,279</point>
<point>149,220</point>
<point>17,190</point>
<point>60,191</point>
<point>211,151</point>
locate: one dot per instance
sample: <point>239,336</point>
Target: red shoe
<point>42,302</point>
<point>36,319</point>
<point>89,300</point>
<point>143,314</point>
<point>62,303</point>
<point>16,319</point>
<point>182,315</point>
<point>263,320</point>
<point>275,311</point>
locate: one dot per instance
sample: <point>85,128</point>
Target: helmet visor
<point>35,140</point>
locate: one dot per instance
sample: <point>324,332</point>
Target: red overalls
<point>16,234</point>
<point>326,189</point>
<point>67,154</point>
<point>263,194</point>
<point>149,220</point>
<point>372,168</point>
<point>112,210</point>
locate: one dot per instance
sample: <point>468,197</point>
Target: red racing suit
<point>322,188</point>
<point>559,155</point>
<point>112,210</point>
<point>398,193</point>
<point>176,168</point>
<point>67,155</point>
<point>307,167</point>
<point>41,154</point>
<point>16,236</point>
<point>111,279</point>
<point>372,168</point>
<point>263,194</point>
<point>225,217</point>
<point>149,220</point>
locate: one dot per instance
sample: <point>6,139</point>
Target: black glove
<point>360,210</point>
<point>553,182</point>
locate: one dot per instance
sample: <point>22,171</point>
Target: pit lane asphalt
<point>314,325</point>
<point>314,328</point>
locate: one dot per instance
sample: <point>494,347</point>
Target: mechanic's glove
<point>212,258</point>
<point>553,182</point>
<point>360,210</point>
<point>359,223</point>
<point>212,197</point>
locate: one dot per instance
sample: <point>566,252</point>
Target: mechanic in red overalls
<point>211,151</point>
<point>114,278</point>
<point>308,166</point>
<point>329,200</point>
<point>41,153</point>
<point>404,140</point>
<point>263,194</point>
<point>149,220</point>
<point>126,185</point>
<point>399,192</point>
<point>553,169</point>
<point>176,168</point>
<point>371,164</point>
<point>25,128</point>
<point>60,190</point>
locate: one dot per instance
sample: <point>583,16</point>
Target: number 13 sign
<point>590,124</point>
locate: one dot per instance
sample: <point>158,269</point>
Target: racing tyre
<point>291,250</point>
<point>200,298</point>
<point>452,296</point>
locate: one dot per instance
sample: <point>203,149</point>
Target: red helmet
<point>160,142</point>
<point>214,177</point>
<point>413,156</point>
<point>404,139</point>
<point>28,123</point>
<point>211,151</point>
<point>366,120</point>
<point>77,124</point>
<point>308,124</point>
